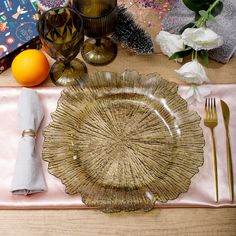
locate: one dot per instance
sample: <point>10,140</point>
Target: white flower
<point>201,38</point>
<point>170,43</point>
<point>196,93</point>
<point>193,72</point>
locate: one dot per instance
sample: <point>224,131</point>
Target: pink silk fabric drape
<point>201,191</point>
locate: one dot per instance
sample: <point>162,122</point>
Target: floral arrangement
<point>194,39</point>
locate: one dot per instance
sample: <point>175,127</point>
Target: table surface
<point>176,222</point>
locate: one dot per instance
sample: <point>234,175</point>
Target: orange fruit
<point>30,67</point>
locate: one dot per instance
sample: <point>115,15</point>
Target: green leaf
<point>212,18</point>
<point>203,54</point>
<point>203,14</point>
<point>217,9</point>
<point>189,25</point>
<point>180,54</point>
<point>198,5</point>
<point>197,16</point>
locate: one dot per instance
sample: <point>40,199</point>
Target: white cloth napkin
<point>28,176</point>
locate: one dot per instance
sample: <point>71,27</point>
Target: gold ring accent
<point>28,133</point>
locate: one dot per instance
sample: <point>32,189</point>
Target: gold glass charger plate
<point>124,141</point>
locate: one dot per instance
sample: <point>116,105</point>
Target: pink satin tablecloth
<point>200,194</point>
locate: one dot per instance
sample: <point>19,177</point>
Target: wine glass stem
<point>98,42</point>
<point>67,64</point>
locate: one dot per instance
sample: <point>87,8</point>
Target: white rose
<point>201,38</point>
<point>170,43</point>
<point>196,93</point>
<point>192,72</point>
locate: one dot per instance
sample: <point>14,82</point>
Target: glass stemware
<point>99,18</point>
<point>61,33</point>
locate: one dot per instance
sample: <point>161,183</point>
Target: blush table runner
<point>201,191</point>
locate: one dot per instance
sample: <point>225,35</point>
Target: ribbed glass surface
<point>99,16</point>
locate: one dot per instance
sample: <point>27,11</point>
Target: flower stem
<point>202,20</point>
<point>194,55</point>
<point>212,6</point>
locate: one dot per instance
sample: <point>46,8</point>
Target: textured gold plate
<point>124,141</point>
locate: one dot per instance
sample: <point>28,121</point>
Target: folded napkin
<point>28,175</point>
<point>180,15</point>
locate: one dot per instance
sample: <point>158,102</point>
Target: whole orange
<point>30,67</point>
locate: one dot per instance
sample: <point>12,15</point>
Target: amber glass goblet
<point>99,18</point>
<point>61,32</point>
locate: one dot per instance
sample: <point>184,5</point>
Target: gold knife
<point>226,115</point>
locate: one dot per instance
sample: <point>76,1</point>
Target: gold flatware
<point>226,115</point>
<point>211,121</point>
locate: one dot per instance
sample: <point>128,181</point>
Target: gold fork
<point>211,121</point>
